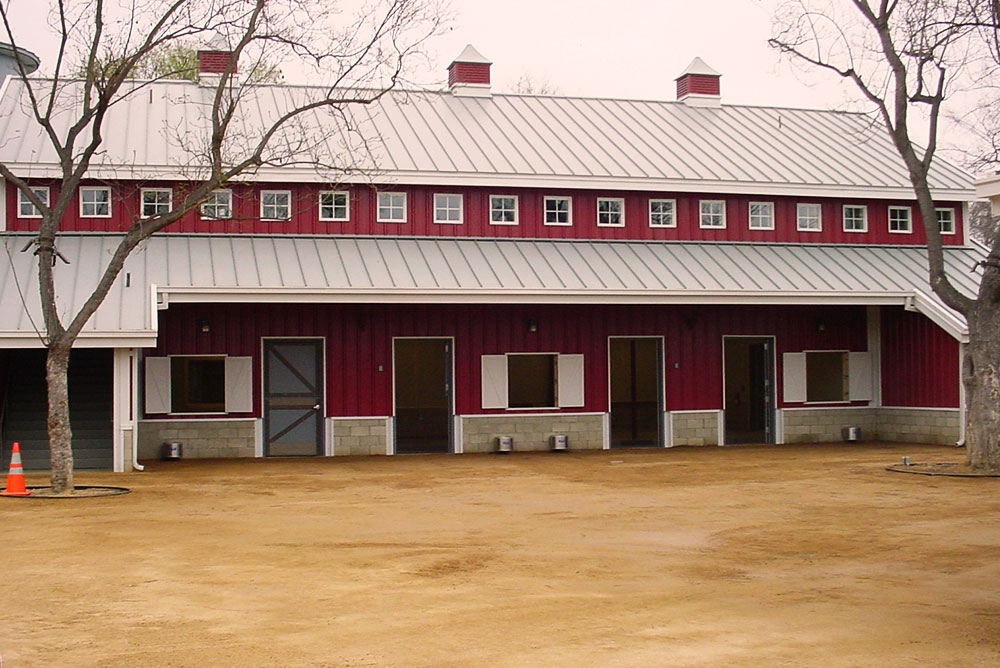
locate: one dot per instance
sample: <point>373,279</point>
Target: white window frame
<point>800,215</point>
<point>702,213</point>
<point>620,201</point>
<point>517,208</point>
<point>909,219</point>
<point>569,210</point>
<point>286,193</point>
<point>22,201</point>
<point>238,381</point>
<point>157,191</point>
<point>954,225</point>
<point>390,206</point>
<point>229,205</point>
<point>864,218</point>
<point>673,212</point>
<point>333,218</point>
<point>446,208</point>
<point>768,219</point>
<point>89,189</point>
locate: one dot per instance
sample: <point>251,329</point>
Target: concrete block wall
<point>919,426</point>
<point>698,428</point>
<point>358,436</point>
<point>815,425</point>
<point>200,439</point>
<point>531,432</point>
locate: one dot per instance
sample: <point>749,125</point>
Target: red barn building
<point>621,272</point>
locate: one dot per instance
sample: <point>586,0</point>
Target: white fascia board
<point>988,186</point>
<point>939,314</point>
<point>471,179</point>
<point>524,296</point>
<point>85,340</point>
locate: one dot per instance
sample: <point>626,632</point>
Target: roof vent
<point>215,60</point>
<point>698,85</point>
<point>469,74</point>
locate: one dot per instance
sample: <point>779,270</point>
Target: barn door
<point>293,397</point>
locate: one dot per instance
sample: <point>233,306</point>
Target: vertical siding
<point>420,215</point>
<point>919,362</point>
<point>359,341</point>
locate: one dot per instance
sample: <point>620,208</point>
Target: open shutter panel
<point>239,384</point>
<point>794,377</point>
<point>157,384</point>
<point>494,381</point>
<point>570,375</point>
<point>859,377</point>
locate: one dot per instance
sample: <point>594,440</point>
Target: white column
<point>874,316</point>
<point>125,407</point>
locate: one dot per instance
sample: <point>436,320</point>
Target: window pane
<point>198,384</point>
<point>809,217</point>
<point>826,376</point>
<point>899,219</point>
<point>503,209</point>
<point>855,218</point>
<point>661,213</point>
<point>557,210</point>
<point>531,381</point>
<point>761,216</point>
<point>609,211</point>
<point>218,205</point>
<point>946,220</point>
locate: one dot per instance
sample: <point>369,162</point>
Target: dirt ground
<point>735,557</point>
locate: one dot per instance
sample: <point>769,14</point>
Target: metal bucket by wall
<point>171,450</point>
<point>851,434</point>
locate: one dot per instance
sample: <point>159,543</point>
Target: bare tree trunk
<point>60,432</point>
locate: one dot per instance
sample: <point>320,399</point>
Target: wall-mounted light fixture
<point>820,326</point>
<point>204,326</point>
<point>532,325</point>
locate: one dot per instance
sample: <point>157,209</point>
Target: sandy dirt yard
<point>721,557</point>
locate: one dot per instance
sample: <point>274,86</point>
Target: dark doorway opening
<point>749,389</point>
<point>293,397</point>
<point>423,395</point>
<point>636,391</point>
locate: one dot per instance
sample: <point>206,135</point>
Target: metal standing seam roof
<point>511,140</point>
<point>243,268</point>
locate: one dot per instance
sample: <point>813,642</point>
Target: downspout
<point>134,399</point>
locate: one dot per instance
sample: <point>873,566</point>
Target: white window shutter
<point>157,384</point>
<point>859,377</point>
<point>239,384</point>
<point>794,377</point>
<point>494,381</point>
<point>570,375</point>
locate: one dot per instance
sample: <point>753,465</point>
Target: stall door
<point>636,391</point>
<point>423,395</point>
<point>749,381</point>
<point>293,397</point>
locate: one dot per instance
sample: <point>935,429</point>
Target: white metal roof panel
<point>331,269</point>
<point>546,141</point>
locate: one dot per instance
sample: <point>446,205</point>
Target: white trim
<point>357,417</point>
<point>560,414</point>
<point>451,380</point>
<point>773,401</point>
<point>606,431</point>
<point>941,315</point>
<point>621,211</point>
<point>829,406</point>
<point>921,408</point>
<point>142,200</point>
<point>873,317</point>
<point>292,175</point>
<point>390,436</point>
<point>702,214</point>
<point>962,400</point>
<point>750,225</point>
<point>124,408</point>
<point>661,399</point>
<point>798,217</point>
<point>94,188</point>
<point>3,184</point>
<point>843,217</point>
<point>720,428</point>
<point>697,410</point>
<point>265,219</point>
<point>909,219</point>
<point>458,434</point>
<point>461,209</point>
<point>323,380</point>
<point>328,439</point>
<point>673,212</point>
<point>193,419</point>
<point>258,436</point>
<point>201,208</point>
<point>668,429</point>
<point>489,210</point>
<point>391,206</point>
<point>333,206</point>
<point>779,426</point>
<point>954,220</point>
<point>21,201</point>
<point>569,210</point>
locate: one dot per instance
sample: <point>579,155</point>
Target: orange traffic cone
<point>15,481</point>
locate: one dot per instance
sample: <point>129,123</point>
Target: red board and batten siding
<point>359,340</point>
<point>698,84</point>
<point>920,365</point>
<point>420,214</point>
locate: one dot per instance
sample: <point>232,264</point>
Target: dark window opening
<point>826,376</point>
<point>531,381</point>
<point>198,384</point>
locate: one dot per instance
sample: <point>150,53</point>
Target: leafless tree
<point>529,85</point>
<point>353,62</point>
<point>908,59</point>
